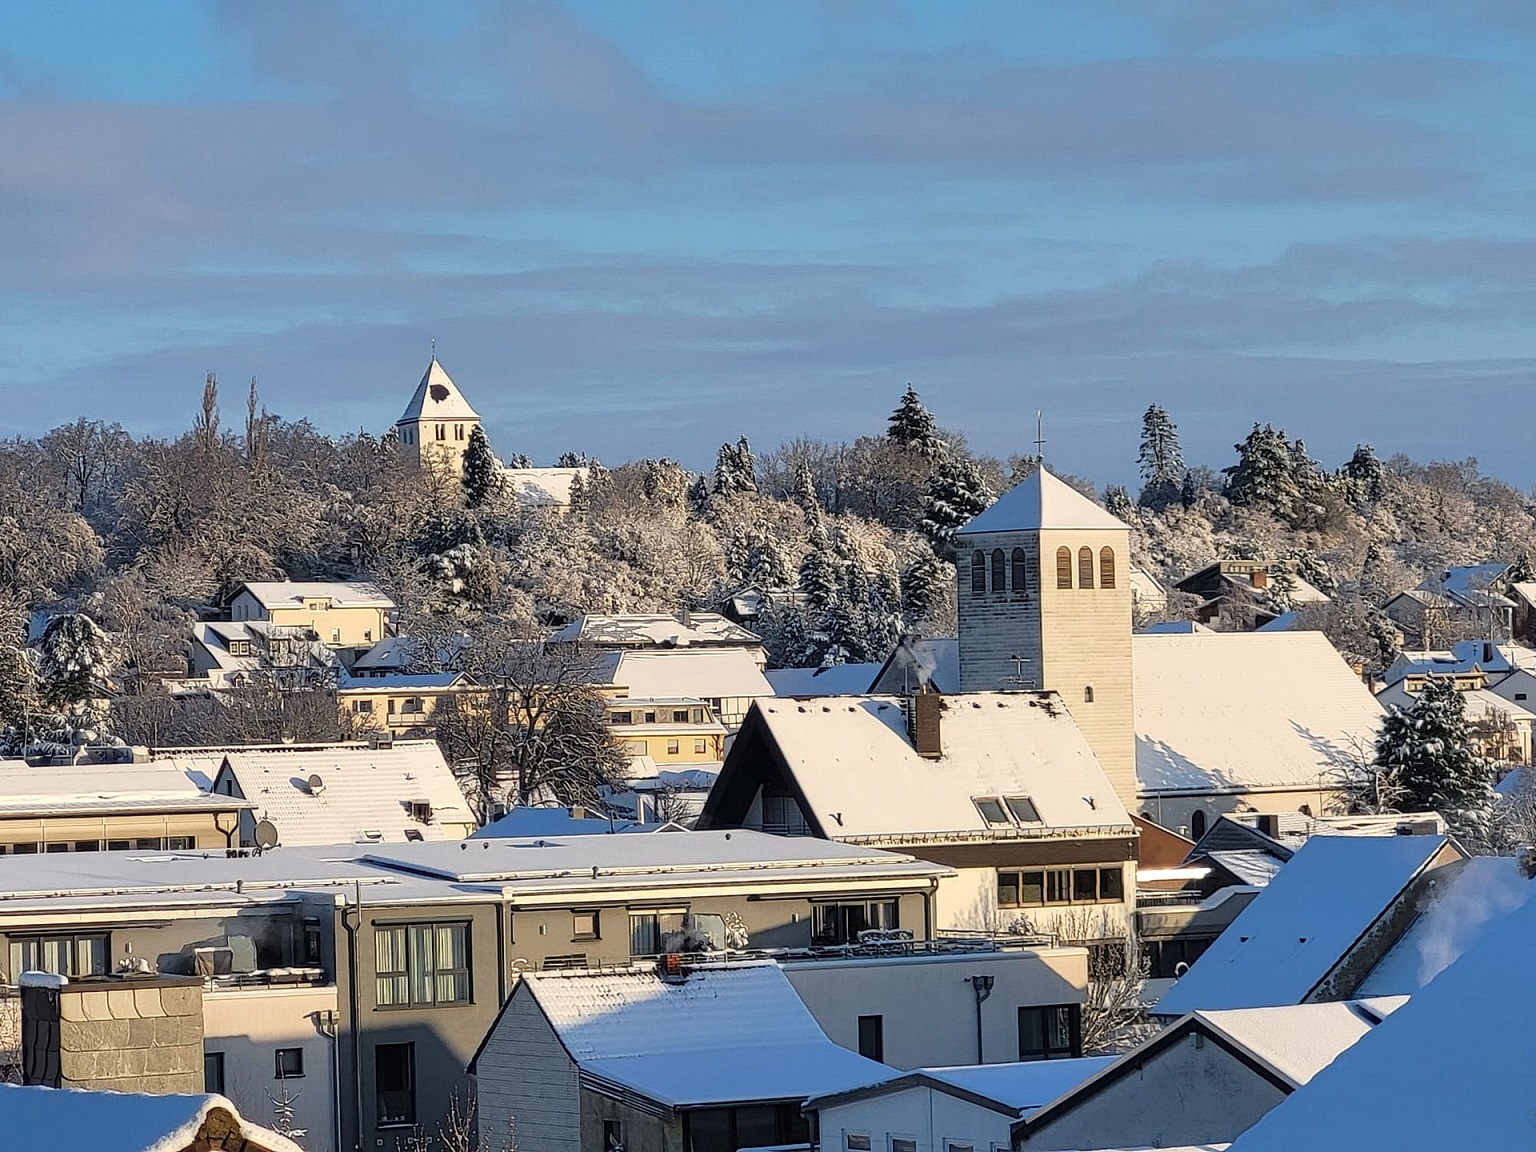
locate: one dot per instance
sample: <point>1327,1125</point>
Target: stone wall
<point>115,1034</point>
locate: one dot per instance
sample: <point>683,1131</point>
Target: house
<point>1001,786</point>
<point>1508,671</point>
<point>402,702</point>
<point>224,654</point>
<point>939,1109</point>
<point>745,605</point>
<point>1204,1079</point>
<point>1474,599</point>
<point>668,730</point>
<point>1232,720</point>
<point>1471,1020</point>
<point>338,614</point>
<point>38,1117</point>
<point>113,807</point>
<point>380,792</point>
<point>916,664</point>
<point>701,1059</point>
<point>727,678</point>
<point>1149,599</point>
<point>436,425</point>
<point>1319,926</point>
<point>1248,594</point>
<point>1425,617</point>
<point>639,631</point>
<point>828,680</point>
<point>1501,730</point>
<point>547,489</point>
<point>665,795</point>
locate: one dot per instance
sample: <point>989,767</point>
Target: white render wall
<point>249,1025</point>
<point>525,1079</point>
<point>918,1113</point>
<point>967,901</point>
<point>929,1009</point>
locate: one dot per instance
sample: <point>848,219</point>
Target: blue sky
<point>644,228</point>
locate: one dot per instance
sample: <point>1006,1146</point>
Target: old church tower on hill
<point>1044,602</point>
<point>435,427</point>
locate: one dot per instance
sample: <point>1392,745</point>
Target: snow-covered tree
<point>821,576</point>
<point>1265,476</point>
<point>957,493</point>
<point>1366,474</point>
<point>520,460</point>
<point>73,656</point>
<point>1428,749</point>
<point>1522,571</point>
<point>925,587</point>
<point>1161,459</point>
<point>736,468</point>
<point>913,426</point>
<point>572,460</point>
<point>482,475</point>
<point>805,494</point>
<point>1117,502</point>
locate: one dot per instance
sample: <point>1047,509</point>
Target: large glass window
<point>422,964</point>
<point>1030,889</point>
<point>841,923</point>
<point>1050,1032</point>
<point>394,1082</point>
<point>81,954</point>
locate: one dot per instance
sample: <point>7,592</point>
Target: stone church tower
<point>1044,602</point>
<point>434,429</point>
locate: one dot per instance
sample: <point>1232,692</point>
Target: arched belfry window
<point>1106,567</point>
<point>1063,567</point>
<point>999,571</point>
<point>1085,567</point>
<point>1020,571</point>
<point>978,571</point>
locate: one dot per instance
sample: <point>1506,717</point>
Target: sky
<point>641,228</point>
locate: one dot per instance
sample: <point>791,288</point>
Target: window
<point>635,748</point>
<point>1085,567</point>
<point>613,1136</point>
<point>1085,886</point>
<point>213,1072</point>
<point>833,924</point>
<point>73,954</point>
<point>458,431</point>
<point>648,931</point>
<point>117,845</point>
<point>957,1146</point>
<point>180,843</point>
<point>1022,809</point>
<point>1111,884</point>
<point>1020,574</point>
<point>290,1063</point>
<point>999,571</point>
<point>1169,959</point>
<point>394,1083</point>
<point>362,707</point>
<point>421,964</point>
<point>1106,567</point>
<point>1058,886</point>
<point>87,845</point>
<point>978,571</point>
<point>1063,568</point>
<point>672,747</point>
<point>991,809</point>
<point>700,747</point>
<point>856,1141</point>
<point>903,1144</point>
<point>585,925</point>
<point>872,1038</point>
<point>440,432</point>
<point>25,849</point>
<point>1197,823</point>
<point>335,635</point>
<point>57,846</point>
<point>1052,1032</point>
<point>679,715</point>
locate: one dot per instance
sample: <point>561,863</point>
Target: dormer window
<point>1023,809</point>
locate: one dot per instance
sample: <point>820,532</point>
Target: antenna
<point>1039,436</point>
<point>434,347</point>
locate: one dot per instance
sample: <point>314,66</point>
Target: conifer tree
<point>1161,459</point>
<point>482,476</point>
<point>1117,502</point>
<point>1427,749</point>
<point>820,571</point>
<point>957,493</point>
<point>805,494</point>
<point>736,468</point>
<point>924,586</point>
<point>913,426</point>
<point>73,656</point>
<point>1522,571</point>
<point>1264,476</point>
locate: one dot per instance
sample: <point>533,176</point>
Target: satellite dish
<point>316,784</point>
<point>266,834</point>
<point>521,964</point>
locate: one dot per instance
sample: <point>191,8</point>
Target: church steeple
<point>435,426</point>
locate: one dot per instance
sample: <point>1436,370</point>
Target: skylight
<point>991,809</point>
<point>1023,809</point>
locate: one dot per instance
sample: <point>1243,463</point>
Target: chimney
<point>923,724</point>
<point>1268,824</point>
<point>1260,578</point>
<point>578,812</point>
<point>1487,652</point>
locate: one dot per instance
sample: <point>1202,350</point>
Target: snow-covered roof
<point>279,594</point>
<point>1237,711</point>
<point>694,674</point>
<point>1251,866</point>
<point>1495,661</point>
<point>1295,932</point>
<point>1470,897</point>
<point>1041,501</point>
<point>1428,597</point>
<point>833,680</point>
<point>425,681</point>
<point>1298,1041</point>
<point>554,822</point>
<point>1450,1069</point>
<point>365,793</point>
<point>1524,590</point>
<point>1480,703</point>
<point>659,631</point>
<point>723,1035</point>
<point>854,763</point>
<point>1013,1089</point>
<point>932,661</point>
<point>542,487</point>
<point>93,789</point>
<point>70,1119</point>
<point>1284,622</point>
<point>1470,584</point>
<point>437,398</point>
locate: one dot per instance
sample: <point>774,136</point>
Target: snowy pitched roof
<point>1449,1070</point>
<point>1480,703</point>
<point>1041,501</point>
<point>275,595</point>
<point>833,680</point>
<point>1238,711</point>
<point>1251,866</point>
<point>723,1035</point>
<point>365,793</point>
<point>695,629</point>
<point>1472,584</point>
<point>1012,1089</point>
<point>920,661</point>
<point>1469,898</point>
<point>69,1118</point>
<point>542,487</point>
<point>1297,1041</point>
<point>84,790</point>
<point>437,398</point>
<point>1298,929</point>
<point>703,674</point>
<point>854,763</point>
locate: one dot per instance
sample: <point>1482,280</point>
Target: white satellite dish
<point>266,834</point>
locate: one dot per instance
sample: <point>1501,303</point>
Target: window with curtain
<point>1063,567</point>
<point>978,571</point>
<point>1020,571</point>
<point>1085,567</point>
<point>417,964</point>
<point>1106,567</point>
<point>999,571</point>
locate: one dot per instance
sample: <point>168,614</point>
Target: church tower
<point>434,429</point>
<point>1044,602</point>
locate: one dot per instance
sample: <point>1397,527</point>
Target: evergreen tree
<point>1117,502</point>
<point>913,426</point>
<point>1365,473</point>
<point>520,460</point>
<point>572,460</point>
<point>698,496</point>
<point>1189,490</point>
<point>1264,476</point>
<point>1161,459</point>
<point>1375,586</point>
<point>957,493</point>
<point>1427,749</point>
<point>924,587</point>
<point>73,656</point>
<point>805,494</point>
<point>820,571</point>
<point>736,468</point>
<point>482,476</point>
<point>1522,571</point>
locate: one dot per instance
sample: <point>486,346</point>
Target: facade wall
<point>968,902</point>
<point>928,1007</point>
<point>918,1113</point>
<point>109,1036</point>
<point>443,455</point>
<point>201,828</point>
<point>640,1131</point>
<point>355,625</point>
<point>1191,1093</point>
<point>525,1082</point>
<point>1177,813</point>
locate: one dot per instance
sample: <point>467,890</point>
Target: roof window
<point>991,809</point>
<point>1023,809</point>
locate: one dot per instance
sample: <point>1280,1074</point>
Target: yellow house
<point>401,703</point>
<point>669,731</point>
<point>341,615</point>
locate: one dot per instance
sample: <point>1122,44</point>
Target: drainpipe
<point>330,1027</point>
<point>352,920</point>
<point>982,986</point>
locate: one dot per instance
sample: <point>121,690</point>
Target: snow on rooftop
<point>1041,501</point>
<point>1235,711</point>
<point>1026,1086</point>
<point>856,767</point>
<point>723,1035</point>
<point>78,789</point>
<point>1299,927</point>
<point>278,594</point>
<point>698,674</point>
<point>542,487</point>
<point>552,822</point>
<point>1299,1040</point>
<point>834,680</point>
<point>1449,1070</point>
<point>1480,703</point>
<point>437,397</point>
<point>658,631</point>
<point>68,1119</point>
<point>1251,867</point>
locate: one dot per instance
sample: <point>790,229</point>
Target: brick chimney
<point>1260,578</point>
<point>923,724</point>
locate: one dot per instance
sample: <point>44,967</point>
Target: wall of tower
<point>418,439</point>
<point>997,626</point>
